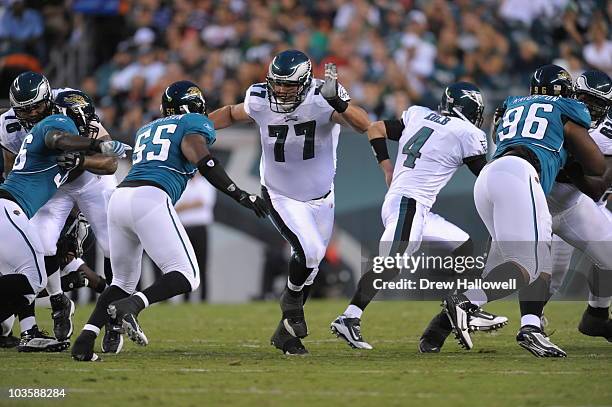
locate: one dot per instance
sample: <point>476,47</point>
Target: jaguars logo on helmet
<point>30,98</point>
<point>551,80</point>
<point>79,107</point>
<point>182,97</point>
<point>594,89</point>
<point>288,80</point>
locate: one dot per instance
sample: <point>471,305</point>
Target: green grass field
<point>219,355</point>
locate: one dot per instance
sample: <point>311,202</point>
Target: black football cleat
<point>349,329</point>
<point>591,325</point>
<point>62,311</point>
<point>37,340</point>
<point>112,342</point>
<point>120,311</point>
<point>83,348</point>
<point>9,341</point>
<point>292,307</point>
<point>538,343</point>
<point>435,334</point>
<point>286,343</point>
<point>457,308</point>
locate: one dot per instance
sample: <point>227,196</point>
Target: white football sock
<point>599,302</point>
<point>54,284</point>
<point>27,323</point>
<point>530,319</point>
<point>353,311</point>
<point>476,296</point>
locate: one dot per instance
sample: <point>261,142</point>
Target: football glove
<point>254,203</point>
<point>114,148</point>
<point>329,89</point>
<point>74,280</point>
<point>70,161</point>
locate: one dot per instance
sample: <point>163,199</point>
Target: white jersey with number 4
<point>431,148</point>
<point>298,157</point>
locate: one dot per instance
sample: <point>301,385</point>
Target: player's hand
<point>254,203</point>
<point>497,116</point>
<point>387,168</point>
<point>329,90</point>
<point>74,280</point>
<point>70,161</point>
<point>114,148</point>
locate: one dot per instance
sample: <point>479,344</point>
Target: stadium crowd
<point>390,53</point>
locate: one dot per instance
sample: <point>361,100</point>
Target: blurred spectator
<point>598,52</point>
<point>389,53</point>
<point>195,210</point>
<point>21,29</point>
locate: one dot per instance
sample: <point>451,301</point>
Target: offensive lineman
<point>432,146</point>
<point>583,221</point>
<point>299,120</point>
<point>89,187</point>
<point>168,151</point>
<point>510,195</point>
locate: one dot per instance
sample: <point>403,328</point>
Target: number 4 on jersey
<point>414,145</point>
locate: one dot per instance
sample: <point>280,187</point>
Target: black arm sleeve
<point>394,129</point>
<point>211,169</point>
<point>476,163</point>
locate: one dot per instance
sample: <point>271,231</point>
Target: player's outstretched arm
<point>377,134</point>
<point>65,141</point>
<point>584,149</point>
<point>227,115</point>
<point>346,113</point>
<point>195,150</point>
<point>593,187</point>
<point>95,163</point>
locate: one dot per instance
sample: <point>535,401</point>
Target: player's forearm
<point>100,164</point>
<point>593,187</point>
<point>222,117</point>
<point>355,117</point>
<point>64,141</point>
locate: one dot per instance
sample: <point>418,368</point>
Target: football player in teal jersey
<point>32,182</point>
<point>141,216</point>
<point>534,136</point>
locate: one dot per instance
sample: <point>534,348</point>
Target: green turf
<point>202,355</point>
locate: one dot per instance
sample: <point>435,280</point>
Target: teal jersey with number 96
<point>35,175</point>
<point>536,122</point>
<point>157,154</point>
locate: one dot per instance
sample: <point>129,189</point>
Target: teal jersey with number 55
<point>536,122</point>
<point>35,175</point>
<point>157,154</point>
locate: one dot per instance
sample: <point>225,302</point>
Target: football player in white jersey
<point>432,147</point>
<point>299,120</point>
<point>90,190</point>
<point>582,221</point>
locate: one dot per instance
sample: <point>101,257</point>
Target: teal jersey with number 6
<point>157,155</point>
<point>536,122</point>
<point>35,175</point>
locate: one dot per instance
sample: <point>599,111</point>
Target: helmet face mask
<point>594,89</point>
<point>30,98</point>
<point>182,97</point>
<point>29,115</point>
<point>288,80</point>
<point>463,100</point>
